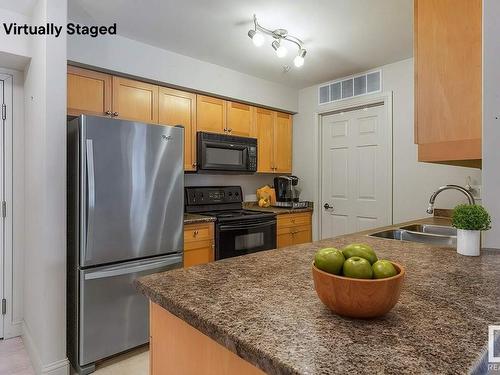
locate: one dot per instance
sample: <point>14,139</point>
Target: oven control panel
<point>203,195</point>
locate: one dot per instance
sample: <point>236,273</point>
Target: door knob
<point>327,206</point>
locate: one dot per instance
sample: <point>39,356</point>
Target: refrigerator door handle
<point>127,269</point>
<point>91,198</point>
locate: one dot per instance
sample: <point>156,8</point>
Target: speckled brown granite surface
<point>277,210</point>
<point>263,307</point>
<point>195,218</point>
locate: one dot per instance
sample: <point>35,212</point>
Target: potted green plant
<point>470,220</point>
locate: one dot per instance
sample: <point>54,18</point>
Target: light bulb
<point>298,61</point>
<point>258,39</point>
<point>280,50</point>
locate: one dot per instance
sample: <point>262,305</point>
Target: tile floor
<point>14,360</point>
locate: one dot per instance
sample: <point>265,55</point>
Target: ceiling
<point>19,6</point>
<point>342,37</point>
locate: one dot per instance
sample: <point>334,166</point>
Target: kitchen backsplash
<point>248,183</point>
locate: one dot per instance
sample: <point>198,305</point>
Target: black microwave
<point>226,153</point>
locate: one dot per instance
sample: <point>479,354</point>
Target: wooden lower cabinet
<point>198,244</point>
<point>293,229</point>
<point>175,347</point>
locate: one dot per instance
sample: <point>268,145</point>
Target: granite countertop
<point>264,308</point>
<point>277,210</point>
<point>195,218</point>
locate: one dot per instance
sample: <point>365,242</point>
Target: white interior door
<point>2,198</point>
<point>356,173</point>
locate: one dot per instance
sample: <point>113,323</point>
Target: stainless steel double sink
<point>437,235</point>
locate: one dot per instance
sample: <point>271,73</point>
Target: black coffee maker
<point>287,191</point>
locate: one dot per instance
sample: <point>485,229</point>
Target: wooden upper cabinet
<point>89,92</point>
<point>264,126</point>
<point>448,79</point>
<point>283,143</point>
<point>135,100</point>
<point>211,114</point>
<point>240,119</point>
<point>179,108</point>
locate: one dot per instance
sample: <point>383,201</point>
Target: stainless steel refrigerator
<point>125,220</point>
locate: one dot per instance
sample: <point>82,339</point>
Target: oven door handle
<point>246,226</point>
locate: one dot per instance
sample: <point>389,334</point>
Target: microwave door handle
<point>226,145</point>
<point>246,226</point>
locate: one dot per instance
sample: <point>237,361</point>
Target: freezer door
<point>113,316</point>
<point>132,190</point>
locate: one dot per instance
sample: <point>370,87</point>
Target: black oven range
<point>237,231</point>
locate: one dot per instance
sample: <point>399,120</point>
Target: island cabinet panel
<point>198,244</point>
<point>264,126</point>
<point>178,348</point>
<point>448,80</point>
<point>89,92</point>
<point>135,100</point>
<point>283,143</point>
<point>177,107</point>
<point>294,229</point>
<point>211,114</point>
<point>240,119</point>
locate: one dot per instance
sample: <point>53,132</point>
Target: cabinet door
<point>211,114</point>
<point>301,234</point>
<point>264,125</point>
<point>284,240</point>
<point>179,108</point>
<point>240,119</point>
<point>283,143</point>
<point>199,252</point>
<point>448,79</point>
<point>89,92</point>
<point>135,101</point>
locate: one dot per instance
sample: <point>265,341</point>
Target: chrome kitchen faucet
<point>467,193</point>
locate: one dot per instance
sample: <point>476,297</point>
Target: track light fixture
<point>279,35</point>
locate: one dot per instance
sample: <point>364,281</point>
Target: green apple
<point>329,260</point>
<point>383,269</point>
<point>358,268</point>
<point>360,250</point>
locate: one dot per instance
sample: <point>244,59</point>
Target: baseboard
<point>13,330</point>
<point>55,368</point>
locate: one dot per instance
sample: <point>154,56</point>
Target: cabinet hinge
<point>4,209</point>
<point>4,306</point>
<point>4,112</point>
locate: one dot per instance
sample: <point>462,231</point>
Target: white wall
<point>127,56</point>
<point>413,181</point>
<point>13,47</point>
<point>45,195</point>
<point>491,118</point>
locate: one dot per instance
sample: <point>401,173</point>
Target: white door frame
<point>10,329</point>
<point>386,98</point>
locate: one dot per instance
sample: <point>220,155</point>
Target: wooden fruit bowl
<point>358,298</point>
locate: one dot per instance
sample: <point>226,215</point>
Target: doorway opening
<point>355,166</point>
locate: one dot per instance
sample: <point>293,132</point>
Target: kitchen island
<point>262,310</point>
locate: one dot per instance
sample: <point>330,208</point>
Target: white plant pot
<point>468,242</point>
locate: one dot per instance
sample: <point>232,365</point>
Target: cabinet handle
<point>195,164</point>
<point>115,114</point>
<point>225,130</point>
<point>229,130</point>
<point>108,113</point>
<point>195,233</point>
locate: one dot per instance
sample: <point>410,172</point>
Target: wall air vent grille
<point>348,87</point>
